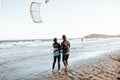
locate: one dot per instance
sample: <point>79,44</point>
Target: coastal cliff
<point>100,36</point>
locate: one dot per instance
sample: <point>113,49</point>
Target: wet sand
<point>107,68</point>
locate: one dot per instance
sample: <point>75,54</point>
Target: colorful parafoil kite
<point>35,11</point>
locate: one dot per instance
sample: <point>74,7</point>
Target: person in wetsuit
<point>56,52</point>
<point>65,47</point>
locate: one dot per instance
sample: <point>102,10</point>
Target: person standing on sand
<point>57,54</point>
<point>65,46</point>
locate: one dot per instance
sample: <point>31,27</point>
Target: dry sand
<point>107,68</point>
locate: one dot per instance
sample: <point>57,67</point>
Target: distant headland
<point>100,36</point>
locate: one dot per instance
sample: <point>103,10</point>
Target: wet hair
<point>64,37</point>
<point>55,39</point>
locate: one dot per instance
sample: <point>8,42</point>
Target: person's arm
<point>54,47</point>
<point>69,44</point>
<point>61,46</point>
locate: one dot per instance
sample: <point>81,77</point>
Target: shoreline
<point>106,68</point>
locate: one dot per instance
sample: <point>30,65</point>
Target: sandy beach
<point>97,59</point>
<point>106,68</point>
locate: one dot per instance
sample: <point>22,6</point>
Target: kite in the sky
<point>35,11</point>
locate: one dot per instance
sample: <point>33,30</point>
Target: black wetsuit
<point>65,46</point>
<point>56,45</point>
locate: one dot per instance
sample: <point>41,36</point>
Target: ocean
<point>25,59</point>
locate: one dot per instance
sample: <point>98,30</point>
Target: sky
<point>75,18</point>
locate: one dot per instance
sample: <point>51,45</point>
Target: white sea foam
<point>36,55</point>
